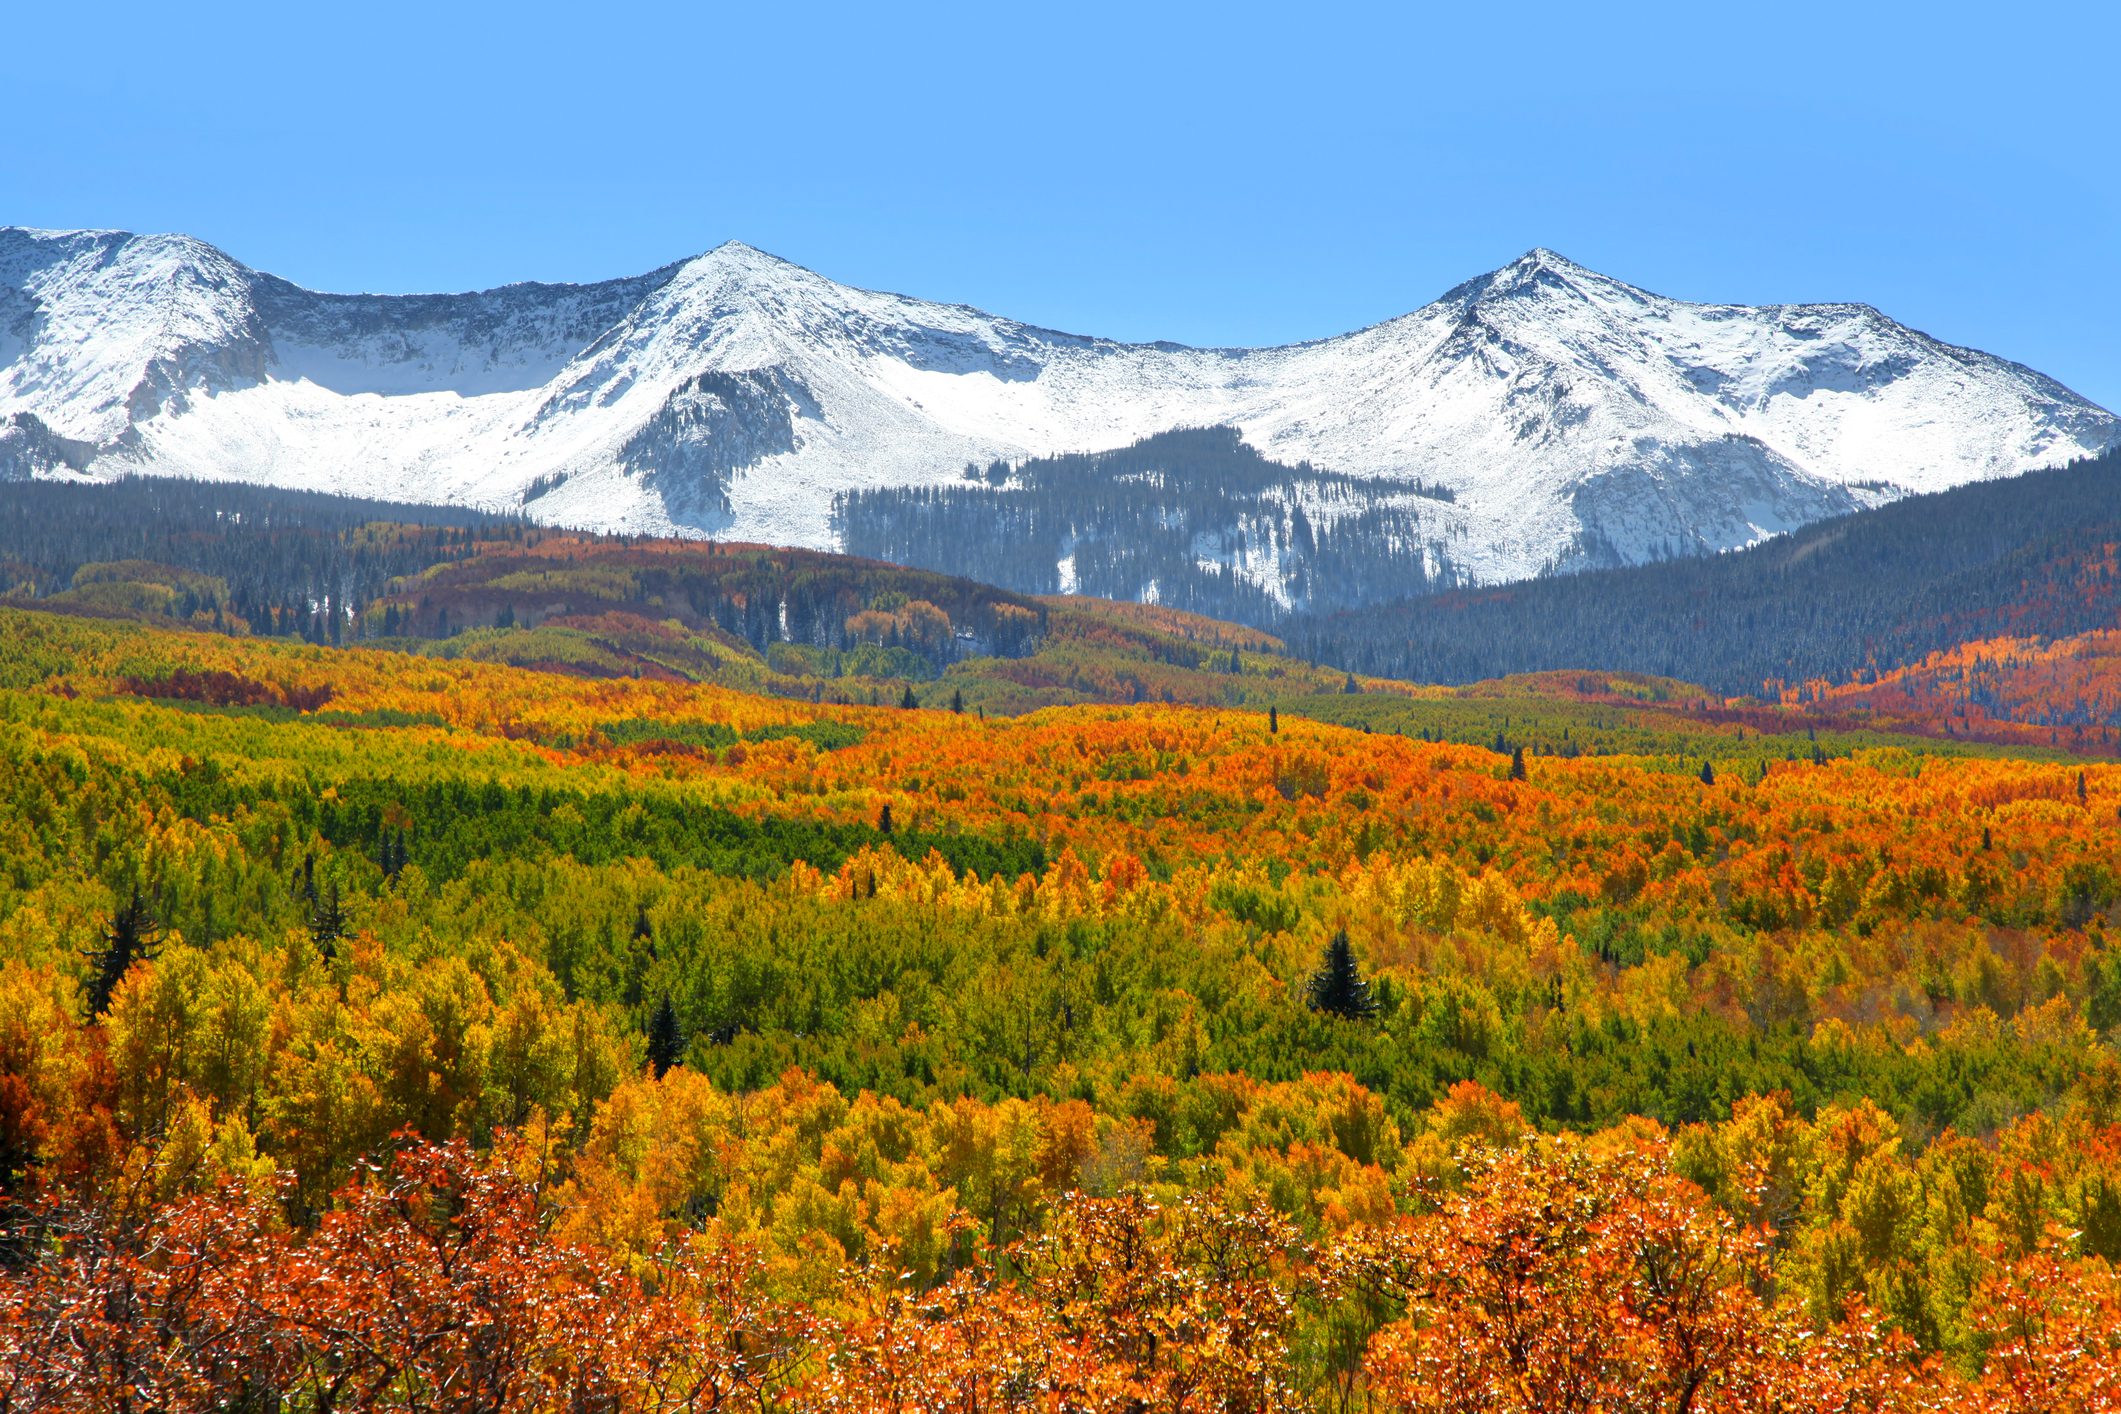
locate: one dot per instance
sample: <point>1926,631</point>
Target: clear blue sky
<point>1212,173</point>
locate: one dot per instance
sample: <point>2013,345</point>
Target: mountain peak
<point>740,250</point>
<point>1552,259</point>
<point>743,256</point>
<point>1575,418</point>
<point>1540,260</point>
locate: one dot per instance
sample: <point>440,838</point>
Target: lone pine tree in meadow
<point>1338,985</point>
<point>130,936</point>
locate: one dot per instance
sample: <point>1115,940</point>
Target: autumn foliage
<point>1789,1085</point>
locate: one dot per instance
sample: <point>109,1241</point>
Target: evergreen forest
<point>1193,518</point>
<point>1839,601</point>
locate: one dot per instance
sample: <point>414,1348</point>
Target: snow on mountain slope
<point>1579,420</point>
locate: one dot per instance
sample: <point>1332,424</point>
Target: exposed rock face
<point>1579,421</point>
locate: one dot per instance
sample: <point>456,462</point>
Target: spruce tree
<point>1273,721</point>
<point>666,1039</point>
<point>1708,774</point>
<point>957,701</point>
<point>1517,764</point>
<point>883,819</point>
<point>909,700</point>
<point>130,936</point>
<point>395,857</point>
<point>1338,986</point>
<point>327,923</point>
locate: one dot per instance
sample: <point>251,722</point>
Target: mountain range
<point>1538,418</point>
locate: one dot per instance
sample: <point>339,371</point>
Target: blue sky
<point>1214,174</point>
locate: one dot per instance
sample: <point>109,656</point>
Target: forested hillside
<point>1861,594</point>
<point>263,555</point>
<point>1194,518</point>
<point>1211,526</point>
<point>1824,611</point>
<point>374,1021</point>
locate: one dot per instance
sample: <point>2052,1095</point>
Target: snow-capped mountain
<point>1578,420</point>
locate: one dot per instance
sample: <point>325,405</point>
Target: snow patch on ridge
<point>1580,420</point>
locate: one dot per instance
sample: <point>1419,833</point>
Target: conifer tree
<point>395,856</point>
<point>1273,721</point>
<point>1708,774</point>
<point>909,700</point>
<point>883,819</point>
<point>131,936</point>
<point>666,1039</point>
<point>642,931</point>
<point>1338,986</point>
<point>1517,764</point>
<point>327,923</point>
<point>957,701</point>
<point>1236,665</point>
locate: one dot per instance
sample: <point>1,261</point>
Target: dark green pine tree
<point>130,936</point>
<point>666,1039</point>
<point>1338,986</point>
<point>1517,764</point>
<point>1273,720</point>
<point>1351,686</point>
<point>957,702</point>
<point>394,856</point>
<point>1708,774</point>
<point>328,923</point>
<point>883,819</point>
<point>909,700</point>
<point>1236,663</point>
